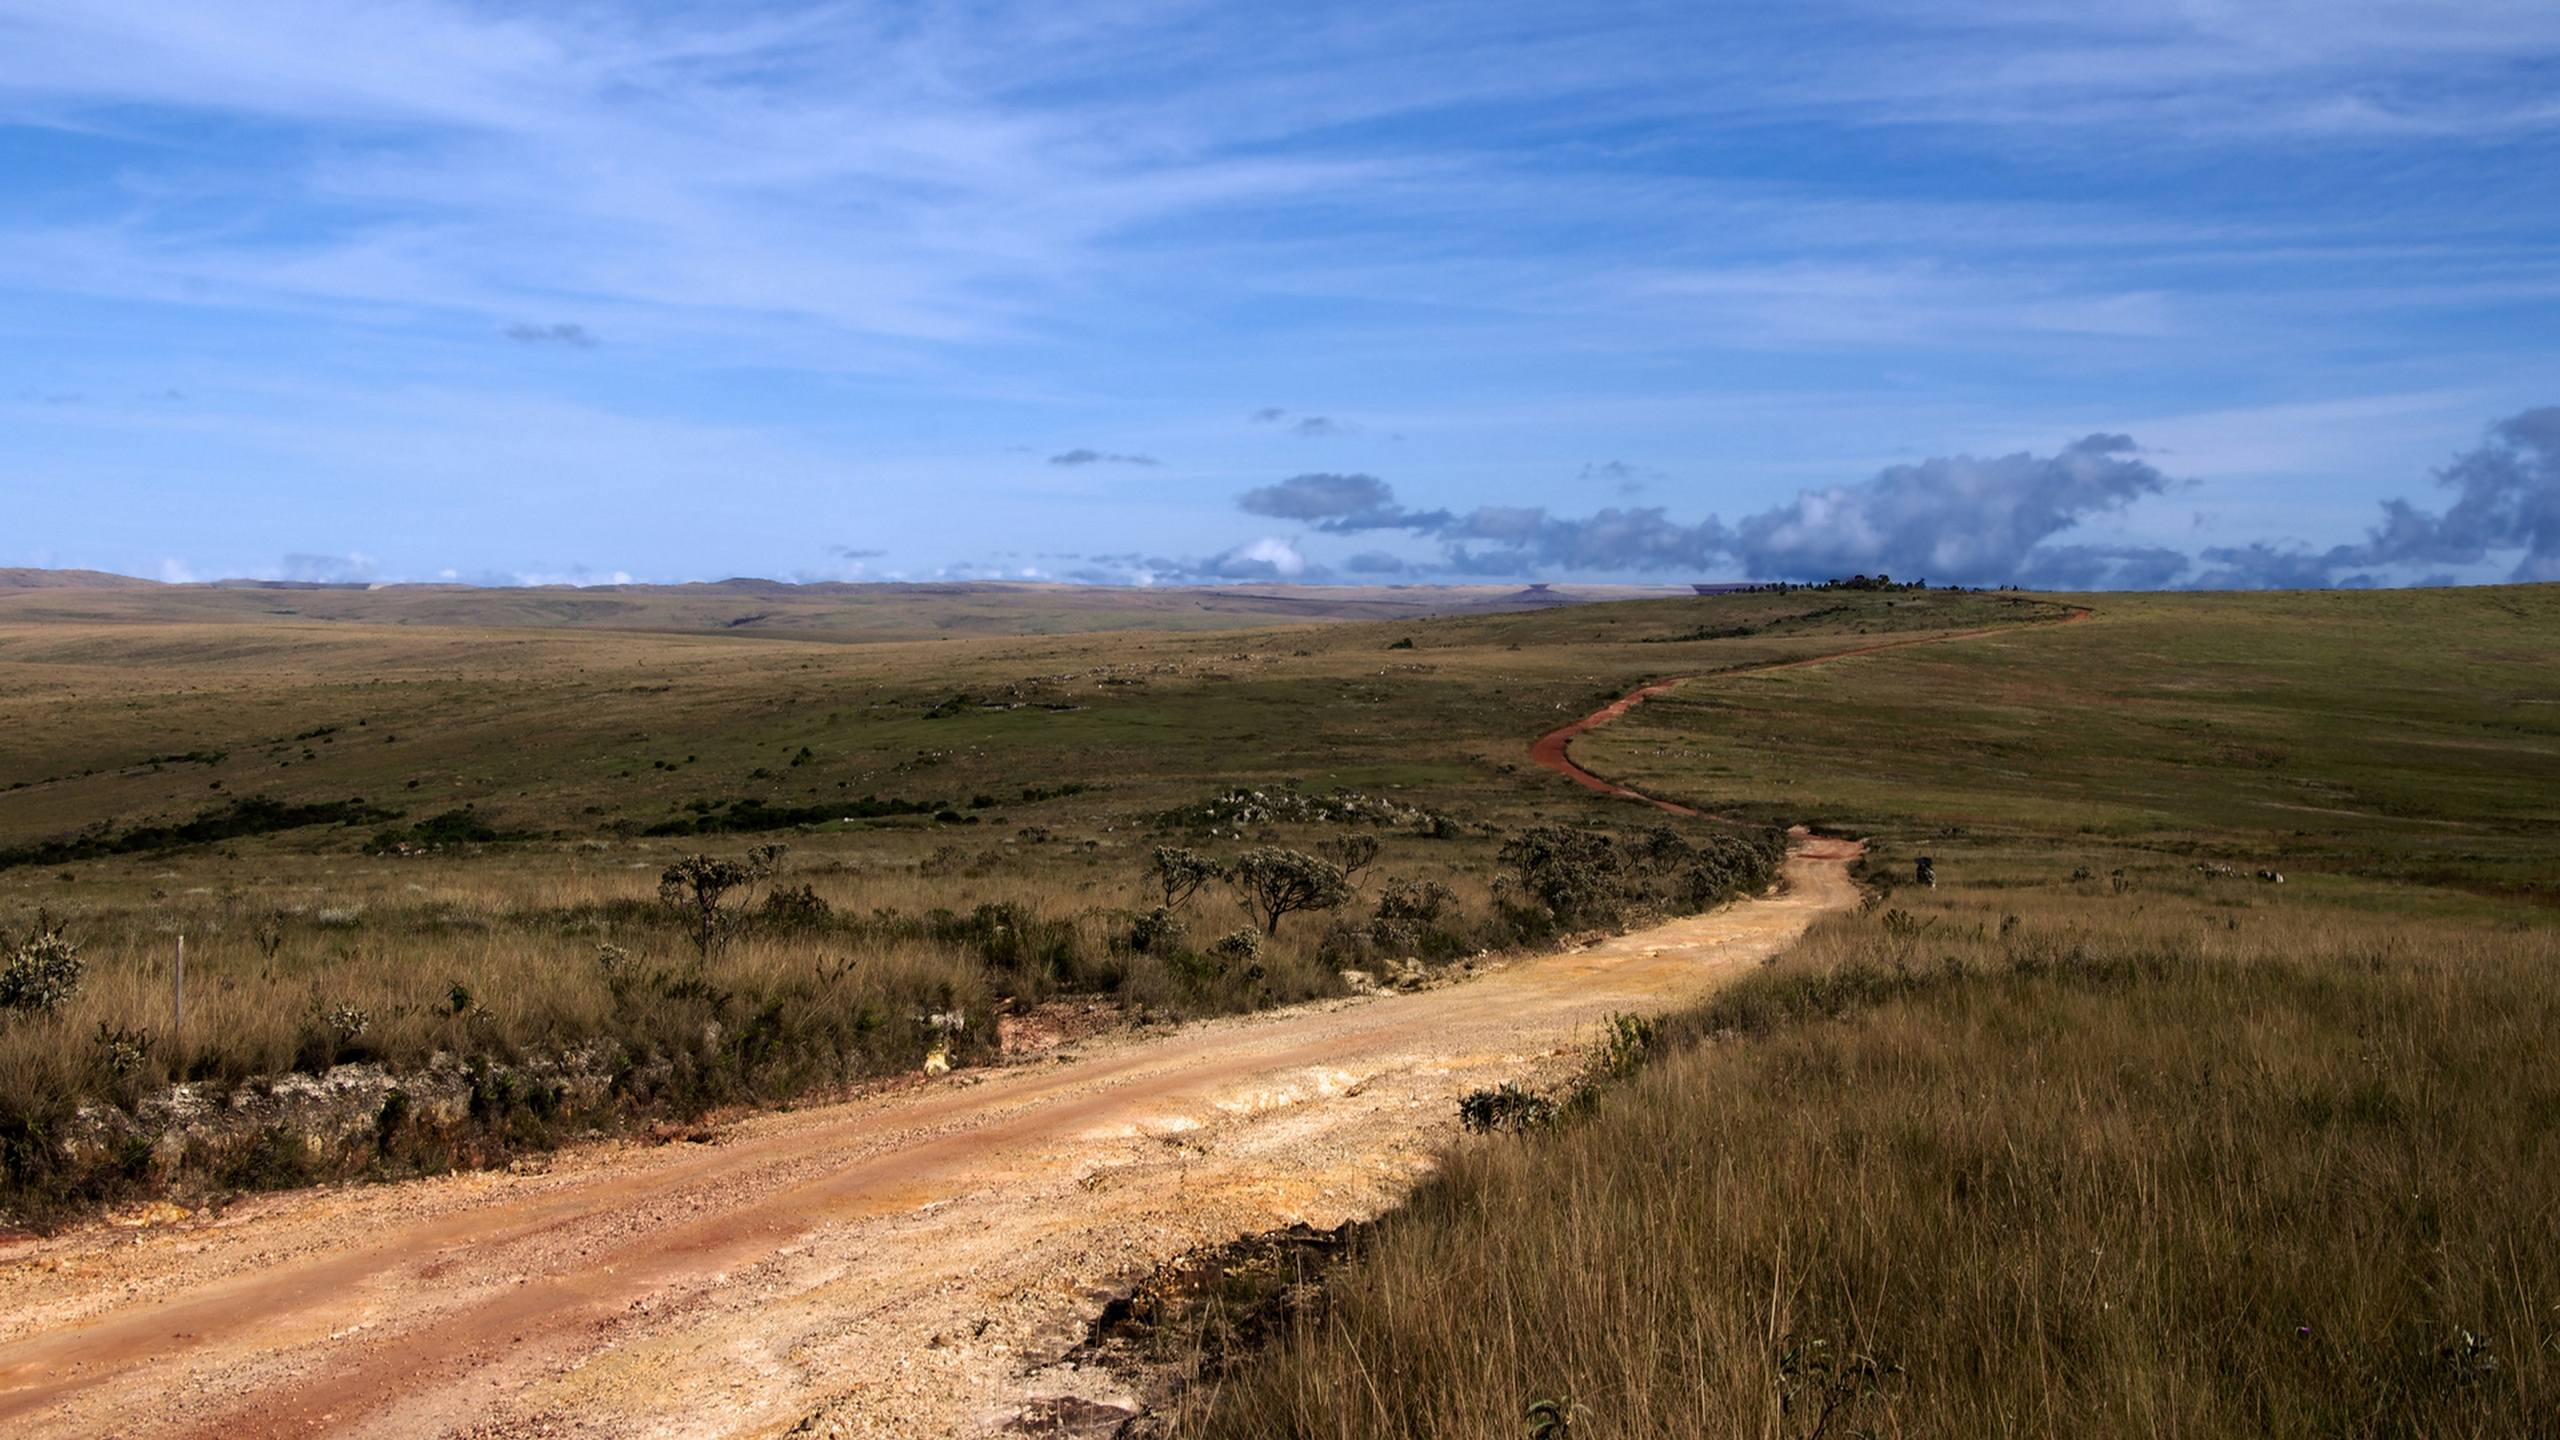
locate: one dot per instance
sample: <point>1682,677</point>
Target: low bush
<point>1579,878</point>
<point>249,815</point>
<point>40,971</point>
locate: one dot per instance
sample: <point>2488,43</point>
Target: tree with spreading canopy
<point>1181,873</point>
<point>1272,882</point>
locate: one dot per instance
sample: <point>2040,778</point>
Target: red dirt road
<point>1554,749</point>
<point>906,1264</point>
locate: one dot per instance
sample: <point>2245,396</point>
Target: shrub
<point>1030,951</point>
<point>1157,932</point>
<point>1346,945</point>
<point>251,815</point>
<point>1421,902</point>
<point>121,1052</point>
<point>454,827</point>
<point>1728,867</point>
<point>698,887</point>
<point>41,971</point>
<point>1408,916</point>
<point>1504,1107</point>
<point>1585,877</point>
<point>1577,876</point>
<point>796,908</point>
<point>1242,945</point>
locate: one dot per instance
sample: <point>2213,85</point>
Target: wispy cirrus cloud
<point>855,233</point>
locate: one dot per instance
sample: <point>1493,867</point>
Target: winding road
<point>911,1263</point>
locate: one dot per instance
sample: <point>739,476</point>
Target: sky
<point>2155,293</point>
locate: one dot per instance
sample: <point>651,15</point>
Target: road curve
<point>909,1263</point>
<point>1553,750</point>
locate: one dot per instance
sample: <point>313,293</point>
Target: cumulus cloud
<point>1082,456</point>
<point>1375,562</point>
<point>1972,520</point>
<point>2506,501</point>
<point>1268,415</point>
<point>1270,558</point>
<point>848,552</point>
<point>576,337</point>
<point>1958,518</point>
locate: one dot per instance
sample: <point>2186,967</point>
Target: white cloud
<point>1280,557</point>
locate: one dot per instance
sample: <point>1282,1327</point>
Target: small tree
<point>1181,873</point>
<point>1272,882</point>
<point>1352,852</point>
<point>698,887</point>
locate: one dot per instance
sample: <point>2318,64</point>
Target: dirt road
<point>1554,749</point>
<point>895,1266</point>
<point>909,1264</point>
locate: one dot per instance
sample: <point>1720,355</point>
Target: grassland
<point>970,816</point>
<point>756,609</point>
<point>2102,1135</point>
<point>2389,751</point>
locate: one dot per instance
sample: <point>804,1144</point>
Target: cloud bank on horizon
<point>1173,290</point>
<point>1959,519</point>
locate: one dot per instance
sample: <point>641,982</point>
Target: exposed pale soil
<point>911,1263</point>
<point>897,1265</point>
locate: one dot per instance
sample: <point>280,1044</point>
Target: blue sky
<point>2147,293</point>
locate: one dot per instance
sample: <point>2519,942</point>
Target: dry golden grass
<point>2101,1136</point>
<point>2139,1167</point>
